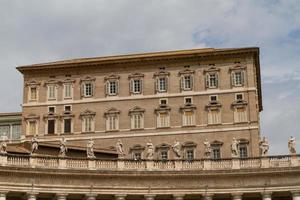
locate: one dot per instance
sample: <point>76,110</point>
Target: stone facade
<point>51,78</point>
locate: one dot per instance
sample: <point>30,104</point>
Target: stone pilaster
<point>32,195</point>
<point>90,196</point>
<point>61,196</point>
<point>237,196</point>
<point>149,196</point>
<point>178,196</point>
<point>120,196</point>
<point>296,195</point>
<point>267,196</point>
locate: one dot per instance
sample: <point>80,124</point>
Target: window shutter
<point>232,79</point>
<point>242,77</point>
<point>167,84</point>
<point>82,90</point>
<point>92,89</point>
<point>131,82</point>
<point>182,83</point>
<point>117,85</point>
<point>192,82</point>
<point>141,82</point>
<point>207,80</point>
<point>217,80</point>
<point>107,88</point>
<point>156,84</point>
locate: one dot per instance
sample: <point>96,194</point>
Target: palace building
<point>175,125</point>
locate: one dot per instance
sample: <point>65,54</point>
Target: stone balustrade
<point>126,164</point>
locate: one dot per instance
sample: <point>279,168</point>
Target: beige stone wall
<point>149,101</point>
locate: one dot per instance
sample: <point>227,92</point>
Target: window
<point>87,89</point>
<point>216,153</point>
<point>88,124</point>
<point>187,82</point>
<point>5,130</point>
<point>112,88</point>
<point>213,98</point>
<point>112,122</point>
<point>240,114</point>
<point>164,155</point>
<point>239,97</point>
<point>16,131</point>
<point>68,108</point>
<point>67,125</point>
<point>68,90</point>
<point>163,102</point>
<point>212,80</point>
<point>163,119</point>
<point>243,151</point>
<point>162,84</point>
<point>188,100</point>
<point>214,116</point>
<point>51,126</point>
<point>136,86</point>
<point>137,155</point>
<point>51,92</point>
<point>237,78</point>
<point>32,127</point>
<point>190,154</point>
<point>188,118</point>
<point>51,109</point>
<point>33,93</point>
<point>137,121</point>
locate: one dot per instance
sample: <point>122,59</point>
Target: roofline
<point>10,114</point>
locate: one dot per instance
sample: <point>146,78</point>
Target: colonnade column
<point>149,196</point>
<point>237,196</point>
<point>296,195</point>
<point>91,196</point>
<point>267,196</point>
<point>120,196</point>
<point>3,195</point>
<point>61,196</point>
<point>178,196</point>
<point>32,195</point>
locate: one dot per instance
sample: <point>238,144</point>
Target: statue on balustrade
<point>3,148</point>
<point>264,147</point>
<point>120,151</point>
<point>150,150</point>
<point>176,149</point>
<point>90,149</point>
<point>207,149</point>
<point>292,145</point>
<point>234,148</point>
<point>34,145</point>
<point>63,148</point>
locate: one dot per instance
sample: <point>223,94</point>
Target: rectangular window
<point>239,97</point>
<point>213,81</point>
<point>68,108</point>
<point>238,78</point>
<point>33,93</point>
<point>188,100</point>
<point>240,114</point>
<point>188,118</point>
<point>32,127</point>
<point>187,82</point>
<point>164,154</point>
<point>216,153</point>
<point>163,102</point>
<point>163,120</point>
<point>213,98</point>
<point>5,131</point>
<point>214,117</point>
<point>88,89</point>
<point>190,154</point>
<point>88,124</point>
<point>51,109</point>
<point>137,155</point>
<point>112,88</point>
<point>51,126</point>
<point>68,91</point>
<point>137,86</point>
<point>67,125</point>
<point>136,121</point>
<point>112,122</point>
<point>51,92</point>
<point>16,131</point>
<point>162,84</point>
<point>243,151</point>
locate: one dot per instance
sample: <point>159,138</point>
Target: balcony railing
<point>126,164</point>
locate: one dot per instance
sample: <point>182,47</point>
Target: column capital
<point>31,195</point>
<point>178,196</point>
<point>91,196</point>
<point>120,196</point>
<point>208,196</point>
<point>266,195</point>
<point>237,196</point>
<point>149,196</point>
<point>61,196</point>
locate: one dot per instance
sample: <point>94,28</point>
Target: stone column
<point>32,195</point>
<point>149,196</point>
<point>3,195</point>
<point>178,196</point>
<point>237,196</point>
<point>120,196</point>
<point>61,196</point>
<point>208,197</point>
<point>296,195</point>
<point>267,196</point>
<point>91,196</point>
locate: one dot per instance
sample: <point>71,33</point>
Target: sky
<point>35,31</point>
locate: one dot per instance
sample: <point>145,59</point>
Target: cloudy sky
<point>34,31</point>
